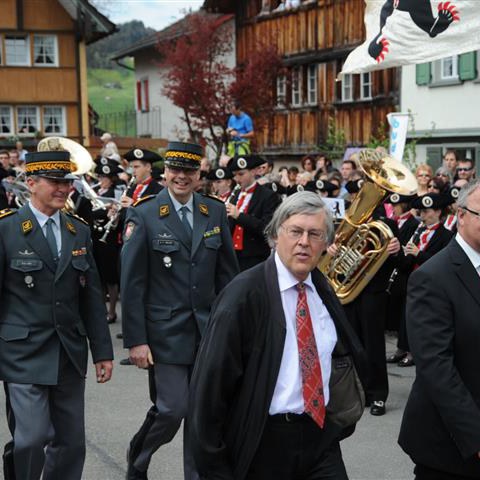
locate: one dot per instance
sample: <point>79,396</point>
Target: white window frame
<point>28,61</point>
<point>347,88</point>
<point>454,60</point>
<point>297,87</point>
<point>312,84</point>
<point>63,130</point>
<point>38,125</point>
<point>281,91</point>
<point>3,134</point>
<point>366,83</point>
<point>55,51</point>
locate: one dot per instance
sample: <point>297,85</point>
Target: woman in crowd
<point>423,174</point>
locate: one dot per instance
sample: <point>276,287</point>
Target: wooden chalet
<point>43,67</point>
<point>314,38</point>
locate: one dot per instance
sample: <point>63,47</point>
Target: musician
<point>177,256</point>
<point>49,281</point>
<point>450,221</point>
<point>106,248</point>
<point>222,182</point>
<point>250,213</point>
<point>441,424</point>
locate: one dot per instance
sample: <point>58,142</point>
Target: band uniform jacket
<point>237,369</point>
<point>44,306</point>
<point>168,286</point>
<point>260,211</point>
<point>441,422</point>
<point>152,189</point>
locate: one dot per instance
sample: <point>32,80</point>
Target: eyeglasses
<point>296,233</point>
<point>443,175</point>
<point>463,169</point>
<point>473,212</point>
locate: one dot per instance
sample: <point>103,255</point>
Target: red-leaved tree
<point>199,81</point>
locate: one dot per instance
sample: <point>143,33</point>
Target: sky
<point>156,14</point>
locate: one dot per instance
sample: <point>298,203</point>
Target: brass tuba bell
<point>363,244</point>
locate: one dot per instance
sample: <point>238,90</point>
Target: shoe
<point>119,335</point>
<point>377,408</point>
<point>111,319</point>
<point>406,362</point>
<point>125,361</point>
<point>396,357</point>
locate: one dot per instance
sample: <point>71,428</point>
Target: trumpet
<point>235,190</point>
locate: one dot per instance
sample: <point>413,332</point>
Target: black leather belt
<point>290,418</point>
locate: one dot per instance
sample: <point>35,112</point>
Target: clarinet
<point>414,239</point>
<point>235,190</point>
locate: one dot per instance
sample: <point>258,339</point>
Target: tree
<point>200,83</point>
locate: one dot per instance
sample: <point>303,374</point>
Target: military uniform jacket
<point>44,306</point>
<point>168,286</point>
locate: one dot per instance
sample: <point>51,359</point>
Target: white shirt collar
<point>286,279</point>
<point>177,205</point>
<point>42,218</point>
<point>472,254</point>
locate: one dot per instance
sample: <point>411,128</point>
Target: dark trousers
<point>426,473</point>
<point>367,315</point>
<point>297,450</point>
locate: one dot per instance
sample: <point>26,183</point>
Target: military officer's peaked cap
<point>142,155</point>
<point>183,155</point>
<point>220,173</point>
<point>245,162</point>
<point>436,201</point>
<point>55,165</point>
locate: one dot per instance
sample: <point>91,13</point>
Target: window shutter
<point>423,73</point>
<point>434,157</point>
<point>147,100</point>
<point>139,96</point>
<point>467,68</point>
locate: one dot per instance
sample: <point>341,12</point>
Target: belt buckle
<point>288,417</point>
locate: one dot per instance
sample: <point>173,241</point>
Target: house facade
<point>314,37</point>
<point>43,68</point>
<point>444,99</point>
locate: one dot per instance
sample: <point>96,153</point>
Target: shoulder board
<point>213,197</point>
<point>143,199</point>
<point>6,212</point>
<point>77,217</point>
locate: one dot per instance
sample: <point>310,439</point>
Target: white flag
<point>398,133</point>
<point>404,32</point>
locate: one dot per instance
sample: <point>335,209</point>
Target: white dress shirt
<point>472,254</point>
<point>288,393</point>
<point>177,206</point>
<point>42,221</point>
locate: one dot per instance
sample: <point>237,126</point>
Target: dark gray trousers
<point>169,393</point>
<point>48,428</point>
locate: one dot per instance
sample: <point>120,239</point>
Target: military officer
<point>51,304</point>
<point>177,256</point>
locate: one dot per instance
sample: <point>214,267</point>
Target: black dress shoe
<point>134,474</point>
<point>406,362</point>
<point>126,361</point>
<point>377,408</point>
<point>111,319</point>
<point>396,357</point>
<point>119,335</point>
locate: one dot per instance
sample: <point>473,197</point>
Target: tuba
<point>363,244</point>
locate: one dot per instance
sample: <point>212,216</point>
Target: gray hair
<point>466,191</point>
<point>300,203</point>
<point>444,171</point>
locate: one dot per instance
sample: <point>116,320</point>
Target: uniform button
<point>57,304</point>
<point>194,264</point>
<point>194,309</point>
<point>194,287</point>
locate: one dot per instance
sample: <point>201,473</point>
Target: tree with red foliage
<point>200,83</point>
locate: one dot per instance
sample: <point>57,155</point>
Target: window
<point>6,120</point>
<point>347,88</point>
<point>27,120</point>
<point>296,87</point>
<point>54,120</point>
<point>449,68</point>
<point>1,51</point>
<point>142,96</point>
<point>281,90</point>
<point>17,50</point>
<point>312,84</point>
<point>45,50</point>
<point>366,86</point>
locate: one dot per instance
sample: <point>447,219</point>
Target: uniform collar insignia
<point>27,226</point>
<point>164,210</point>
<point>71,228</point>
<point>203,209</point>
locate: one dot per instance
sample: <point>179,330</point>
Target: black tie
<point>185,222</point>
<point>51,240</point>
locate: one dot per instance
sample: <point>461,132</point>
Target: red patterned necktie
<point>309,361</point>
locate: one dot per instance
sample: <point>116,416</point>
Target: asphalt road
<point>116,410</point>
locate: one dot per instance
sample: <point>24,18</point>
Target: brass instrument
<point>362,244</point>
<point>233,194</point>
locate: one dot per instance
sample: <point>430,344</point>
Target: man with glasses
<point>177,256</point>
<point>441,423</point>
<point>51,303</point>
<point>262,391</point>
<point>465,169</point>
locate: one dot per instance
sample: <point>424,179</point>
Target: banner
<point>398,133</point>
<point>404,32</point>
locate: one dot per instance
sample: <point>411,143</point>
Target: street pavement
<point>115,411</point>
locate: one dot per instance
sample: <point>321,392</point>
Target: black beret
<point>142,155</point>
<point>437,201</point>
<point>245,162</point>
<point>220,173</point>
<point>395,198</point>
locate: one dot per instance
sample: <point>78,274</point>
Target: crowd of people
<point>271,358</point>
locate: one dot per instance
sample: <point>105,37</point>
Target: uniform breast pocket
<point>80,263</point>
<point>214,242</point>
<point>26,265</point>
<point>165,246</point>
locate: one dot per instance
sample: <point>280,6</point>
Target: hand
<point>103,371</point>
<point>141,356</point>
<point>112,211</point>
<point>125,201</point>
<point>332,250</point>
<point>233,133</point>
<point>411,249</point>
<point>232,211</point>
<point>393,246</point>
